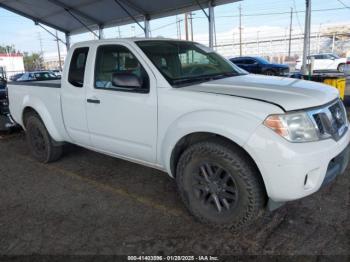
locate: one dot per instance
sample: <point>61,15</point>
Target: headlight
<point>295,127</point>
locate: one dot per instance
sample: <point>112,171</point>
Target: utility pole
<point>191,25</point>
<point>333,42</point>
<point>290,32</point>
<point>41,44</point>
<point>258,42</point>
<point>178,27</point>
<point>240,30</point>
<point>41,50</point>
<point>306,48</point>
<point>59,52</point>
<point>186,26</point>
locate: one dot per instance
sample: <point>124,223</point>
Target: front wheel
<point>220,185</point>
<point>42,146</point>
<point>341,68</point>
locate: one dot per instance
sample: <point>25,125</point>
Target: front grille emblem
<point>330,120</point>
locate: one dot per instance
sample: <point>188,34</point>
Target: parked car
<point>38,76</point>
<point>347,68</point>
<point>57,72</point>
<point>325,62</point>
<point>235,143</point>
<point>259,65</point>
<point>16,77</point>
<point>6,121</point>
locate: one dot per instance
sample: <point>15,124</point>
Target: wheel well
<point>194,138</point>
<point>27,112</point>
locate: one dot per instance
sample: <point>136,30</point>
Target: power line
<point>346,6</point>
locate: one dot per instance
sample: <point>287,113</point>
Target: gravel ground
<point>88,203</point>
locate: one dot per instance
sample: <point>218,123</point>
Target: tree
<point>32,62</point>
<point>8,49</point>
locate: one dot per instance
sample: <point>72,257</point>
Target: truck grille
<point>330,120</point>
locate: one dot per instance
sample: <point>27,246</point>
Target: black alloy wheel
<point>215,188</point>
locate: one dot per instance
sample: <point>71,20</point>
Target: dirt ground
<point>88,203</point>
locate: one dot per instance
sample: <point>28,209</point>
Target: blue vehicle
<point>259,65</point>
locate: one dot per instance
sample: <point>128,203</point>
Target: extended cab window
<point>77,67</point>
<point>115,60</point>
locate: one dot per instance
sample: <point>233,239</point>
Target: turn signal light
<point>276,124</point>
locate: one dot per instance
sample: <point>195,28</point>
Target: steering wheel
<point>197,70</point>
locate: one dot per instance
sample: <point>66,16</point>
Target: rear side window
<point>250,61</point>
<point>77,67</point>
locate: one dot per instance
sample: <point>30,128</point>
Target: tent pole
<point>100,32</point>
<point>147,28</point>
<point>306,37</point>
<point>211,24</point>
<point>67,41</point>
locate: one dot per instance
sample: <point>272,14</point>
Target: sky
<point>258,17</point>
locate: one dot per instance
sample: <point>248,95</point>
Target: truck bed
<point>48,83</point>
<point>44,96</point>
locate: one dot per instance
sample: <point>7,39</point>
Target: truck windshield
<point>183,63</point>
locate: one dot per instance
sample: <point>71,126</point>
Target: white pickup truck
<point>236,143</point>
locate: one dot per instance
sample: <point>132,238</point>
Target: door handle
<point>93,101</point>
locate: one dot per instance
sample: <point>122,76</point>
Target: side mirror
<point>126,80</point>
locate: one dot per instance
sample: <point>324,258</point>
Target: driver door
<point>122,121</point>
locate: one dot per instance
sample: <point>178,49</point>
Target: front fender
<point>235,127</point>
<point>37,105</point>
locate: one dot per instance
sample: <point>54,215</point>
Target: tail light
<point>348,62</point>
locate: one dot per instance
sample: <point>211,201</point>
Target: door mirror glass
<point>126,80</point>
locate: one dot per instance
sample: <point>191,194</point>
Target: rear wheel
<point>270,73</point>
<point>341,68</point>
<point>220,185</point>
<point>43,148</point>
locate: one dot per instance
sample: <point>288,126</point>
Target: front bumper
<point>294,170</point>
<point>337,166</point>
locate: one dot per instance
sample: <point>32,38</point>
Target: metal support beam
<point>81,22</point>
<point>49,32</point>
<point>306,36</point>
<point>129,14</point>
<point>147,28</point>
<point>67,41</point>
<point>100,32</point>
<point>211,25</point>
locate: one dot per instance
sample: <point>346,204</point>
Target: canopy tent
<point>79,16</point>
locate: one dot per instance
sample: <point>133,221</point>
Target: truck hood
<point>288,93</point>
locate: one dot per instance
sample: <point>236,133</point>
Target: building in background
<point>12,63</point>
<point>51,61</point>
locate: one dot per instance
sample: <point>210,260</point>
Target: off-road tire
<point>36,132</point>
<point>341,68</point>
<point>251,191</point>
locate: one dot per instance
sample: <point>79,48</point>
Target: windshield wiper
<point>203,78</point>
